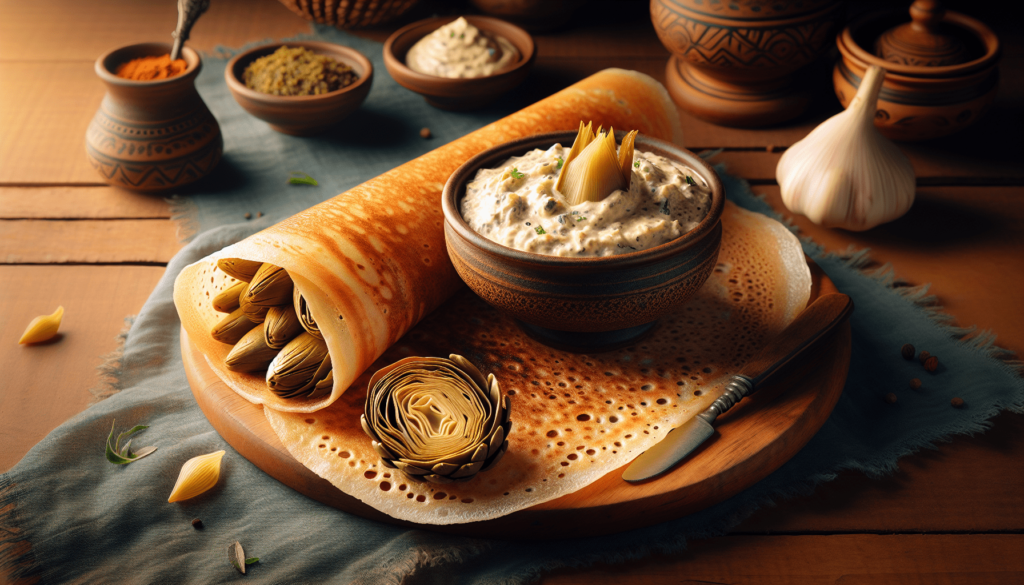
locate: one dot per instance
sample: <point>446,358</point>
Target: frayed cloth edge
<point>15,562</point>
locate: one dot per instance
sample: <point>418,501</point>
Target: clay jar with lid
<point>153,135</point>
<point>921,102</point>
<point>733,61</point>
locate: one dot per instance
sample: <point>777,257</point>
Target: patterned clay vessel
<point>921,101</point>
<point>733,61</point>
<point>152,135</point>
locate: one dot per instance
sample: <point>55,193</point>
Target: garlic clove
<point>197,475</point>
<point>845,173</point>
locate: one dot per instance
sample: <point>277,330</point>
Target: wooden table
<point>952,515</point>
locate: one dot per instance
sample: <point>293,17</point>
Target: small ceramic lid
<point>924,41</point>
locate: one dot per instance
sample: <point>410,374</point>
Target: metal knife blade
<point>819,318</point>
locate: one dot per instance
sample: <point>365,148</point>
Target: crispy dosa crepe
<point>574,417</point>
<point>371,262</point>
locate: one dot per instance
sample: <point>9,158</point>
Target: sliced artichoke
<point>227,300</point>
<point>281,326</point>
<point>251,353</point>
<point>232,327</point>
<point>243,270</point>
<point>592,170</point>
<point>270,287</point>
<point>436,419</point>
<point>305,317</point>
<point>299,367</point>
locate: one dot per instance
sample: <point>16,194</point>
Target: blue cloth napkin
<point>90,521</point>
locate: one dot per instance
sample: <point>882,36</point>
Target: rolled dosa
<point>371,262</point>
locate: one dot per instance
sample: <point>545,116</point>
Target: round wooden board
<point>752,440</point>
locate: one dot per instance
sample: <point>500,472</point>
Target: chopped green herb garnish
<point>252,560</point>
<point>581,218</point>
<point>636,164</point>
<point>561,161</point>
<point>540,230</point>
<point>690,181</point>
<point>124,455</point>
<point>452,35</point>
<point>516,174</point>
<point>300,178</point>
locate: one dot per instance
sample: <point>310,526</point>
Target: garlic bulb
<point>845,173</point>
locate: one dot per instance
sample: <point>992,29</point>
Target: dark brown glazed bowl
<point>919,102</point>
<point>583,304</point>
<point>458,94</point>
<point>301,115</point>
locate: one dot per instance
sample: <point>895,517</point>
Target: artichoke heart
<point>436,419</point>
<point>592,170</point>
<point>270,287</point>
<point>305,317</point>
<point>227,300</point>
<point>281,326</point>
<point>243,270</point>
<point>299,367</point>
<point>251,353</point>
<point>232,327</point>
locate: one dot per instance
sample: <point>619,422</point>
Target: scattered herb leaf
<point>516,174</point>
<point>561,161</point>
<point>540,230</point>
<point>636,164</point>
<point>664,208</point>
<point>300,178</point>
<point>237,557</point>
<point>581,218</point>
<point>123,455</point>
<point>690,181</point>
<point>252,560</point>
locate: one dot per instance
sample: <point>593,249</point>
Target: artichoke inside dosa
<point>372,262</point>
<point>436,419</point>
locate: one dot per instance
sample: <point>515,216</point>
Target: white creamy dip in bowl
<point>460,92</point>
<point>585,303</point>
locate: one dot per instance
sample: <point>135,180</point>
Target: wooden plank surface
<point>48,383</point>
<point>957,511</point>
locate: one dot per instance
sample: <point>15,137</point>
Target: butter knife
<point>817,320</point>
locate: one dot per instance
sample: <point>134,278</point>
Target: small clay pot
<point>152,135</point>
<point>301,115</point>
<point>920,102</point>
<point>458,94</point>
<point>583,304</point>
<point>733,63</point>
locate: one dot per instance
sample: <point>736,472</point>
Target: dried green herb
<point>636,164</point>
<point>561,161</point>
<point>690,181</point>
<point>516,174</point>
<point>300,178</point>
<point>540,231</point>
<point>124,455</point>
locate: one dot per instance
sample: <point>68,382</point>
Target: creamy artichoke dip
<point>516,205</point>
<point>459,49</point>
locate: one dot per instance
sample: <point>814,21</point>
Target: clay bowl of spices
<point>583,303</point>
<point>461,93</point>
<point>922,99</point>
<point>303,115</point>
<point>152,133</point>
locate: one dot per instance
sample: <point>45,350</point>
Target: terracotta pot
<point>152,135</point>
<point>583,304</point>
<point>733,61</point>
<point>920,102</point>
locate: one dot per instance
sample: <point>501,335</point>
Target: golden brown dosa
<point>371,262</point>
<point>575,417</point>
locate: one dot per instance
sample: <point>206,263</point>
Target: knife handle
<point>738,388</point>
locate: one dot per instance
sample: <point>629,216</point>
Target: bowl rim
<point>849,47</point>
<point>454,190</point>
<point>236,85</point>
<point>396,64</point>
<point>150,49</point>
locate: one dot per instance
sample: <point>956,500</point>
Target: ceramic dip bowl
<point>583,304</point>
<point>458,94</point>
<point>308,114</point>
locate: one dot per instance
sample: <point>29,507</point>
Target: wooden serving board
<point>752,440</point>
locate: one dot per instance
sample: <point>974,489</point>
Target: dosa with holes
<point>574,417</point>
<point>371,262</point>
